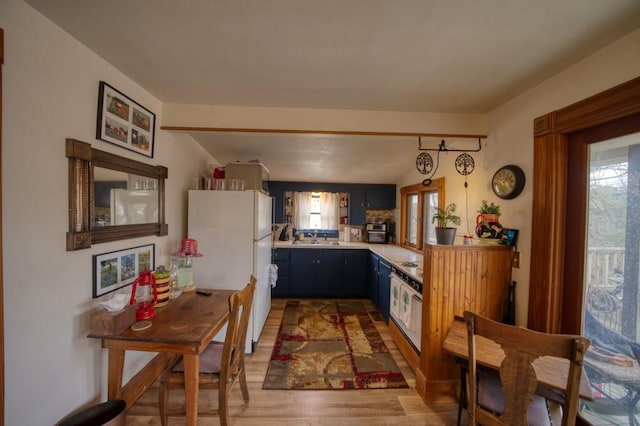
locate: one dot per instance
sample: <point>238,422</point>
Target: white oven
<point>406,306</point>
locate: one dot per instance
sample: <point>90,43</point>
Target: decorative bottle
<point>174,289</point>
<point>185,273</point>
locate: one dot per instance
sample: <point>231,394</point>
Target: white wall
<point>510,141</point>
<point>50,93</point>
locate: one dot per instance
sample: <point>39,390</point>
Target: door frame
<point>1,254</point>
<point>552,131</point>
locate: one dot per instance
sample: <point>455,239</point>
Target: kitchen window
<point>416,212</point>
<point>316,210</point>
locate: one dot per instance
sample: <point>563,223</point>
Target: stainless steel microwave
<point>376,233</point>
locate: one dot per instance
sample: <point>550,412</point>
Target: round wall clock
<point>508,182</point>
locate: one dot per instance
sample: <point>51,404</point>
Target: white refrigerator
<point>233,231</point>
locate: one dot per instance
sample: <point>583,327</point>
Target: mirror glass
<point>124,199</point>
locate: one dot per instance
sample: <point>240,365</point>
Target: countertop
<point>391,253</point>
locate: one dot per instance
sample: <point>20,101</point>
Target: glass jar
<point>174,289</point>
<point>185,273</point>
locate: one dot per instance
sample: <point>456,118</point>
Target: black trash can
<point>110,413</point>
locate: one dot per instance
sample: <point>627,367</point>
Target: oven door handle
<point>417,298</point>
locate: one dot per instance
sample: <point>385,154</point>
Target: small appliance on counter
<point>376,233</point>
<point>391,232</point>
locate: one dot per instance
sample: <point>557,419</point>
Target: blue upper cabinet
<point>381,197</point>
<point>276,190</point>
<point>358,206</point>
<point>362,197</point>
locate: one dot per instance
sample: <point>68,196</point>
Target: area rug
<point>330,345</point>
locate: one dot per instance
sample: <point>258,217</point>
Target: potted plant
<point>487,222</point>
<point>445,234</point>
<point>488,209</point>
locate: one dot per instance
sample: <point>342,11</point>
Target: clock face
<point>508,182</point>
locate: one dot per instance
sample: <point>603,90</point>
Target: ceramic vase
<point>445,236</point>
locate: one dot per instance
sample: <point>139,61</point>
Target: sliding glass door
<point>611,279</point>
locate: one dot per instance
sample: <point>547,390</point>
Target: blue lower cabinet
<point>354,273</point>
<point>315,273</point>
<point>281,257</point>
<point>384,287</point>
<point>339,273</point>
<point>372,278</point>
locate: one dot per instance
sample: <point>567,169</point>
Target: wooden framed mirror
<point>111,197</point>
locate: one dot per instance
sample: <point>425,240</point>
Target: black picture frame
<point>124,122</point>
<point>117,269</point>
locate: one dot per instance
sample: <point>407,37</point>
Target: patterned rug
<point>330,345</point>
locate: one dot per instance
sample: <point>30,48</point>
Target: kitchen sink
<point>317,243</point>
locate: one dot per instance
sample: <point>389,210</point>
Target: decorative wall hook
<point>442,147</point>
<point>425,164</point>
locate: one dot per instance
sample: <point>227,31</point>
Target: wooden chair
<point>517,375</point>
<point>220,363</point>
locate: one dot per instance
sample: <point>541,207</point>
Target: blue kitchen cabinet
<point>316,272</point>
<point>379,284</point>
<point>361,197</point>
<point>281,257</point>
<point>381,197</point>
<point>370,197</point>
<point>357,206</point>
<point>276,190</point>
<point>354,273</point>
<point>372,278</point>
<point>384,287</point>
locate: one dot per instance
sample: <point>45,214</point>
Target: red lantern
<point>145,295</point>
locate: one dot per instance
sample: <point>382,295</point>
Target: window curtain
<point>301,210</point>
<point>329,210</point>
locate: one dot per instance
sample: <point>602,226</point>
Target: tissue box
<point>105,323</point>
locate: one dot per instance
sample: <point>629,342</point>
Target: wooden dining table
<point>183,327</point>
<point>551,372</point>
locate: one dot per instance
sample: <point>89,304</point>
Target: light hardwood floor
<point>313,408</point>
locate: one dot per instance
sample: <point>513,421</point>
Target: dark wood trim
<point>1,252</point>
<point>551,195</point>
<point>82,160</point>
<point>578,145</point>
<point>322,132</point>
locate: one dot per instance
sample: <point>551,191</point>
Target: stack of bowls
<point>162,284</point>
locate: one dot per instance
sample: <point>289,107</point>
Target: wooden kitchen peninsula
<point>455,278</point>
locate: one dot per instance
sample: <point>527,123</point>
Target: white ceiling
<point>449,56</point>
